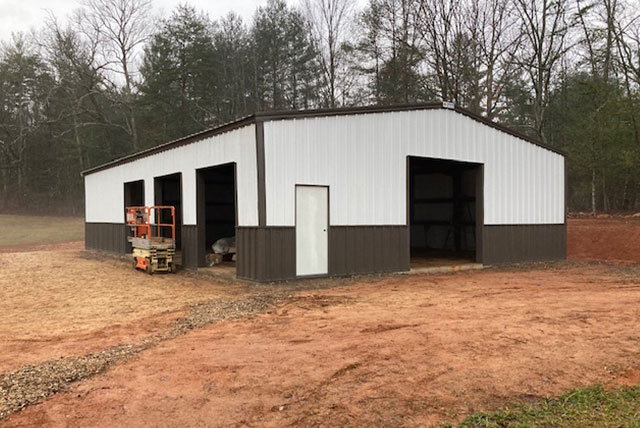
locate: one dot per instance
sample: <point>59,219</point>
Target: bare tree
<point>597,23</point>
<point>330,23</point>
<point>494,26</point>
<point>610,8</point>
<point>627,44</point>
<point>397,50</point>
<point>449,29</point>
<point>545,27</point>
<point>119,28</point>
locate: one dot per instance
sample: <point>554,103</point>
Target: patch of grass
<point>580,408</point>
<point>24,229</point>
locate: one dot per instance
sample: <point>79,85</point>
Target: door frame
<point>158,191</point>
<point>479,171</point>
<point>201,210</point>
<point>127,195</point>
<point>295,228</point>
<point>127,202</point>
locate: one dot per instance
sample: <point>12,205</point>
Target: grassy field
<point>587,407</point>
<point>25,230</point>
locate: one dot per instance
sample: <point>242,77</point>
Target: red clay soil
<point>404,351</point>
<point>18,351</point>
<point>614,239</point>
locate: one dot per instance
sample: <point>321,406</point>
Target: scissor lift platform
<point>152,252</point>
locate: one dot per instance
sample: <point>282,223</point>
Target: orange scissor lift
<point>152,251</point>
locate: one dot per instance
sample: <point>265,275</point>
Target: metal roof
<point>297,114</point>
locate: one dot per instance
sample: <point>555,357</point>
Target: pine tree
<point>179,87</point>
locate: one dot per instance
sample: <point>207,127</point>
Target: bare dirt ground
<point>615,239</point>
<point>63,301</point>
<point>393,351</point>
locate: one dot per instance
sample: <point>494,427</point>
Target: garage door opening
<point>217,219</point>
<point>133,197</point>
<point>444,212</point>
<point>168,192</point>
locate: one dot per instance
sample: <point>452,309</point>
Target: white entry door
<point>312,223</point>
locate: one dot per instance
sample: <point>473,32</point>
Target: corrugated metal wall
<point>106,237</point>
<point>104,190</point>
<point>368,249</point>
<point>364,159</point>
<point>524,243</point>
<point>266,253</point>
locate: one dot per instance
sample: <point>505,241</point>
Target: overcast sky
<point>22,15</point>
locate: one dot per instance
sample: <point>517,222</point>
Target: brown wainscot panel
<point>189,246</point>
<point>524,243</point>
<point>368,249</point>
<point>111,237</point>
<point>266,253</point>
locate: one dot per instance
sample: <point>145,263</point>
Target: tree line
<point>113,78</point>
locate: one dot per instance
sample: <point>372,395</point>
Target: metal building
<point>343,191</point>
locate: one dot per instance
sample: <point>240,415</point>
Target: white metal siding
<point>104,190</point>
<point>363,158</point>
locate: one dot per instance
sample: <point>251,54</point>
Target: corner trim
<point>262,187</point>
